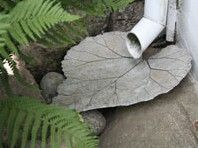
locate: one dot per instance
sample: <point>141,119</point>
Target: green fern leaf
<point>58,139</point>
<point>30,117</point>
<point>15,135</point>
<point>64,34</point>
<point>3,116</point>
<point>44,134</point>
<point>10,124</point>
<point>56,36</point>
<point>52,137</point>
<point>7,4</point>
<point>96,7</point>
<point>36,125</point>
<point>116,4</point>
<point>91,7</point>
<point>26,129</point>
<point>3,29</point>
<point>30,19</point>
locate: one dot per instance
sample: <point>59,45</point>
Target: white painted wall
<point>187,29</point>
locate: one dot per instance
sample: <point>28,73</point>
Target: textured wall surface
<point>187,29</point>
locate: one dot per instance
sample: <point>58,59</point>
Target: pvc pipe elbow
<point>148,28</point>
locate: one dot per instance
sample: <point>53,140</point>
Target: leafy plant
<point>90,7</point>
<point>28,21</point>
<point>23,119</point>
<point>59,35</point>
<point>47,22</point>
<point>95,7</point>
<point>23,21</point>
<point>85,8</point>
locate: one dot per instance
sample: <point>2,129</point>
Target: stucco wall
<point>187,29</point>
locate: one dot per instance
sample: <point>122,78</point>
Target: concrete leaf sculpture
<point>101,73</point>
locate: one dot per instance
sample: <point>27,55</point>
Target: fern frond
<point>96,7</point>
<point>3,29</point>
<point>64,34</point>
<point>3,116</point>
<point>30,19</point>
<point>57,36</point>
<point>10,125</point>
<point>26,129</point>
<point>27,118</point>
<point>90,7</point>
<point>16,129</point>
<point>115,5</point>
<point>7,4</point>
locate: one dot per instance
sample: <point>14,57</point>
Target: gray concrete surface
<point>169,121</point>
<point>101,73</point>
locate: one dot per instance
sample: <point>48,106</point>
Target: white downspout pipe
<point>148,28</point>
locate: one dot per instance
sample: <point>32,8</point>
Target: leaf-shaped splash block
<point>101,73</point>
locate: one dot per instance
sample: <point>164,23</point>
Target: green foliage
<point>27,21</point>
<point>64,34</point>
<point>90,7</point>
<point>23,21</point>
<point>6,5</point>
<point>70,33</point>
<point>95,7</point>
<point>60,35</point>
<point>30,19</point>
<point>25,121</point>
<point>45,21</point>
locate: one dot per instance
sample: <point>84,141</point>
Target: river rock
<point>101,73</point>
<point>49,84</point>
<point>95,120</point>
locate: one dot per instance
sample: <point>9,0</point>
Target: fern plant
<point>85,8</point>
<point>90,7</point>
<point>47,22</point>
<point>58,36</point>
<point>28,21</point>
<point>23,21</point>
<point>95,7</point>
<point>24,121</point>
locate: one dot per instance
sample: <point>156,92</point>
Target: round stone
<point>95,120</point>
<point>49,84</point>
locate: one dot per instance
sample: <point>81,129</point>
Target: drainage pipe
<point>148,28</point>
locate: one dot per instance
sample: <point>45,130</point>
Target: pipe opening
<point>134,46</point>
